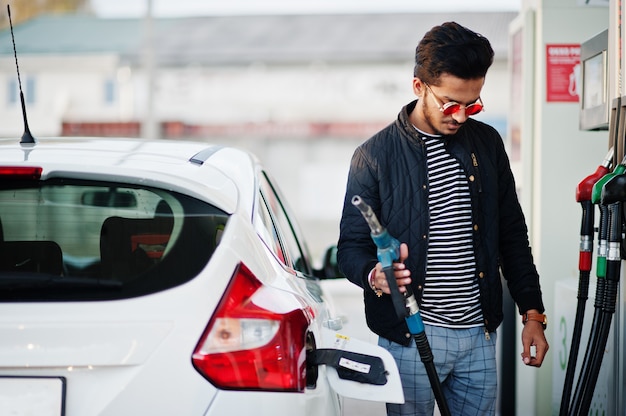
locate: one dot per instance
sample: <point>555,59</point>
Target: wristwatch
<point>539,317</point>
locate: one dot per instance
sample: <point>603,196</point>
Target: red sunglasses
<point>452,107</point>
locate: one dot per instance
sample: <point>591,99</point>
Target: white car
<point>164,278</point>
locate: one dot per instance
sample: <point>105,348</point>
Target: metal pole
<point>149,128</point>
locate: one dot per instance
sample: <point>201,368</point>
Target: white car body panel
<point>389,393</point>
<point>116,355</point>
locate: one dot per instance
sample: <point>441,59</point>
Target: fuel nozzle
<point>584,195</point>
<point>388,247</point>
<point>388,251</point>
<point>596,193</point>
<point>614,190</point>
<point>614,195</point>
<point>368,214</point>
<point>585,187</point>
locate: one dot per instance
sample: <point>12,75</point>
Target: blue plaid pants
<point>466,365</point>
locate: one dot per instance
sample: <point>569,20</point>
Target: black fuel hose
<point>417,329</point>
<point>597,315</point>
<point>583,294</point>
<point>609,298</point>
<point>613,195</point>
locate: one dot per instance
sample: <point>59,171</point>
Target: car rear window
<point>81,240</point>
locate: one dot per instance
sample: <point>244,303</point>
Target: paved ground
<point>364,408</point>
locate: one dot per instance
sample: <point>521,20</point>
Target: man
<point>441,183</point>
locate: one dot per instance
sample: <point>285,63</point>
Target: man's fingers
<point>404,252</point>
<point>534,354</point>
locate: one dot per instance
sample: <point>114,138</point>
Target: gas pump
<point>584,196</point>
<point>601,108</point>
<point>595,345</point>
<point>613,196</point>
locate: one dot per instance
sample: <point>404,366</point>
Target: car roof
<point>223,176</point>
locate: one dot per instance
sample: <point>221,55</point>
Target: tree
<point>22,10</point>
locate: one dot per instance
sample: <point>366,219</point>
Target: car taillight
<point>32,173</point>
<point>256,338</point>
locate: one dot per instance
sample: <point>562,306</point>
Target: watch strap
<point>539,317</point>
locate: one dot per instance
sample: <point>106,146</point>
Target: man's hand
<point>534,343</point>
<point>402,274</point>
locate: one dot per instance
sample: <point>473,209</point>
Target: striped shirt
<point>451,296</point>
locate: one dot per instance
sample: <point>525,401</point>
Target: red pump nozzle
<point>584,188</point>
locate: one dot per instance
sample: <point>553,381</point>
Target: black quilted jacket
<point>388,171</point>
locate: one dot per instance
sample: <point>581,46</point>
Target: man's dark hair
<point>452,49</point>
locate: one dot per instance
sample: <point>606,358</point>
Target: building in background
<point>301,91</point>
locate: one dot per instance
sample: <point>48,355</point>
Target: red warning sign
<point>563,72</point>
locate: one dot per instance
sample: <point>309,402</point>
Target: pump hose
<point>596,363</point>
<point>423,347</point>
<point>613,266</point>
<point>606,297</point>
<point>592,344</point>
<point>584,267</point>
<point>574,348</point>
<point>418,330</point>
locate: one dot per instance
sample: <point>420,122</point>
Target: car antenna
<point>27,137</point>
